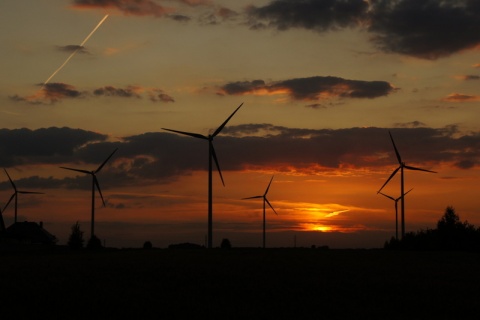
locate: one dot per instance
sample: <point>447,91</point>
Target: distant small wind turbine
<point>396,209</point>
<point>265,200</point>
<point>211,154</point>
<point>401,167</point>
<point>94,183</point>
<point>15,195</point>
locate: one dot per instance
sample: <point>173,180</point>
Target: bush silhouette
<point>75,240</point>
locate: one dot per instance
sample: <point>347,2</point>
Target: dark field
<point>240,284</point>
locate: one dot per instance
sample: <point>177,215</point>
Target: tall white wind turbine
<point>94,184</point>
<point>265,200</point>
<point>15,194</point>
<point>211,155</point>
<point>401,167</point>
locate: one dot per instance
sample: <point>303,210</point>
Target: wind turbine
<point>94,183</point>
<point>211,154</point>
<point>15,195</point>
<point>265,200</point>
<point>396,209</point>
<point>401,167</point>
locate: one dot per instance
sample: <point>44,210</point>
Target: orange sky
<point>320,94</point>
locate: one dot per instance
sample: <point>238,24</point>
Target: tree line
<point>450,234</point>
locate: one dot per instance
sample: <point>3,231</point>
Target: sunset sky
<point>322,83</point>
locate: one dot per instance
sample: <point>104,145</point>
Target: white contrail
<point>76,50</point>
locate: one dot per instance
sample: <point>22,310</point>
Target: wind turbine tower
<point>401,167</point>
<point>211,155</point>
<point>15,195</point>
<point>94,184</point>
<point>265,200</point>
<point>396,209</point>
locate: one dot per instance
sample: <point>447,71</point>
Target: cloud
<point>110,91</point>
<point>73,48</point>
<point>458,97</point>
<point>128,7</point>
<point>47,145</point>
<point>310,14</point>
<point>428,29</point>
<point>143,7</point>
<point>469,77</point>
<point>161,157</point>
<point>311,89</point>
<point>218,15</point>
<point>55,92</point>
<point>413,124</point>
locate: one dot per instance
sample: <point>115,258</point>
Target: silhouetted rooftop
<point>28,233</point>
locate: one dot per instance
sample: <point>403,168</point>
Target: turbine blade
<point>11,181</point>
<point>391,176</point>
<point>271,206</point>
<point>266,191</point>
<point>195,135</point>
<point>225,122</point>
<point>403,195</point>
<point>255,197</point>
<point>395,147</point>
<point>98,188</point>
<point>383,194</point>
<point>216,162</point>
<point>101,166</point>
<point>8,202</point>
<point>418,169</point>
<point>78,170</point>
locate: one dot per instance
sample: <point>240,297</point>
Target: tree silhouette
<point>75,240</point>
<point>147,245</point>
<point>225,244</point>
<point>451,234</point>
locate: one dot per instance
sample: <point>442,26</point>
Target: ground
<point>240,284</point>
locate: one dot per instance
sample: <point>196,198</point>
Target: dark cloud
<point>157,157</point>
<point>47,145</point>
<point>218,15</point>
<point>427,29</point>
<point>312,88</point>
<point>128,92</point>
<point>51,93</point>
<point>56,92</point>
<point>73,48</point>
<point>160,157</point>
<point>179,17</point>
<point>471,77</point>
<point>128,7</point>
<point>143,7</point>
<point>308,14</point>
<point>413,124</point>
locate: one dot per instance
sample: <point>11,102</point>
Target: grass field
<point>240,284</point>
